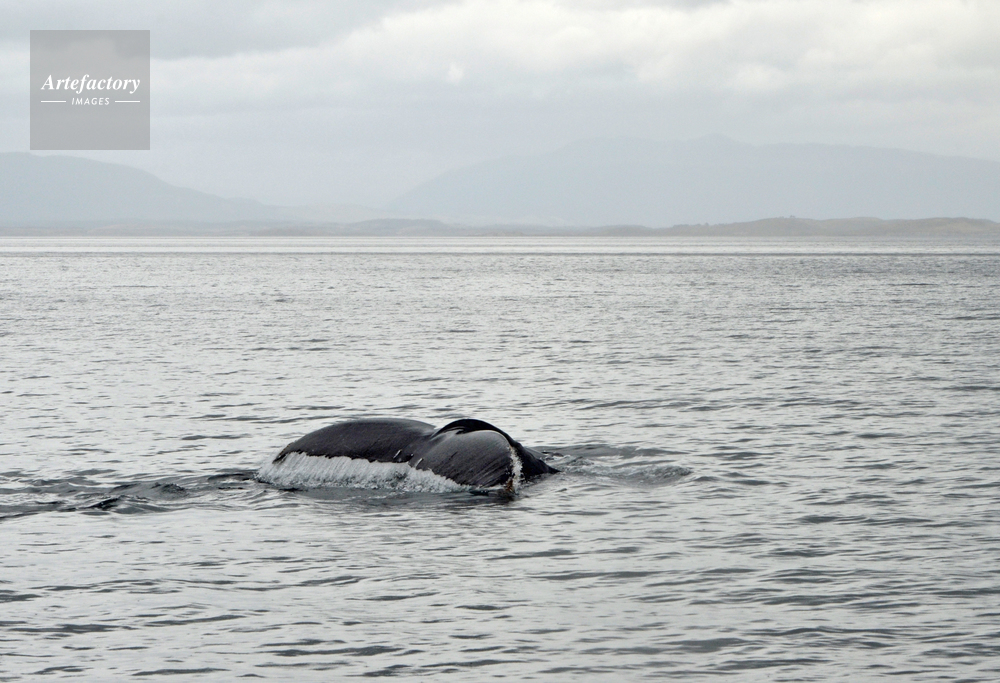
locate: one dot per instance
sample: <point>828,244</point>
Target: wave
<point>24,495</point>
<point>628,465</point>
<point>89,492</point>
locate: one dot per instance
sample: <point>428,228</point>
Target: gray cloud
<point>186,28</point>
<point>351,101</point>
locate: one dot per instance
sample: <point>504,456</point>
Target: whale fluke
<point>467,451</point>
<point>375,440</point>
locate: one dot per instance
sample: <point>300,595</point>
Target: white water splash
<point>514,484</point>
<point>301,471</point>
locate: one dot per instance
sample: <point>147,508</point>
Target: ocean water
<point>780,461</point>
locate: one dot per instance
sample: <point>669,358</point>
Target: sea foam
<point>301,471</point>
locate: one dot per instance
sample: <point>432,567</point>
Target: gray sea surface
<point>779,460</point>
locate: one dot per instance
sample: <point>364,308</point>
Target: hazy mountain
<point>593,183</point>
<point>44,189</point>
<point>708,180</point>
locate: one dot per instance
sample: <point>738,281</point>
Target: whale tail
<point>467,451</point>
<point>524,463</point>
<point>373,439</point>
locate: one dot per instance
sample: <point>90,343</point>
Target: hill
<point>45,189</point>
<point>708,180</point>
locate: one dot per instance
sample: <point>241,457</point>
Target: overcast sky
<point>296,102</point>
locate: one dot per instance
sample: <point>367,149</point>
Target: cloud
<point>890,49</point>
<point>189,28</point>
<point>357,100</point>
<point>269,54</point>
<point>14,79</point>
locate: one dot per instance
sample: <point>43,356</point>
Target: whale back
<point>375,440</point>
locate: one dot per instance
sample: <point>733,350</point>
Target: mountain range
<point>45,189</point>
<point>708,180</point>
<point>590,183</point>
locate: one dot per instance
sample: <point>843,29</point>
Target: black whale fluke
<point>470,452</point>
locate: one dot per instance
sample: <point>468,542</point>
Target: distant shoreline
<point>770,228</point>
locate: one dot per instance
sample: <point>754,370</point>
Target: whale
<point>468,452</point>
